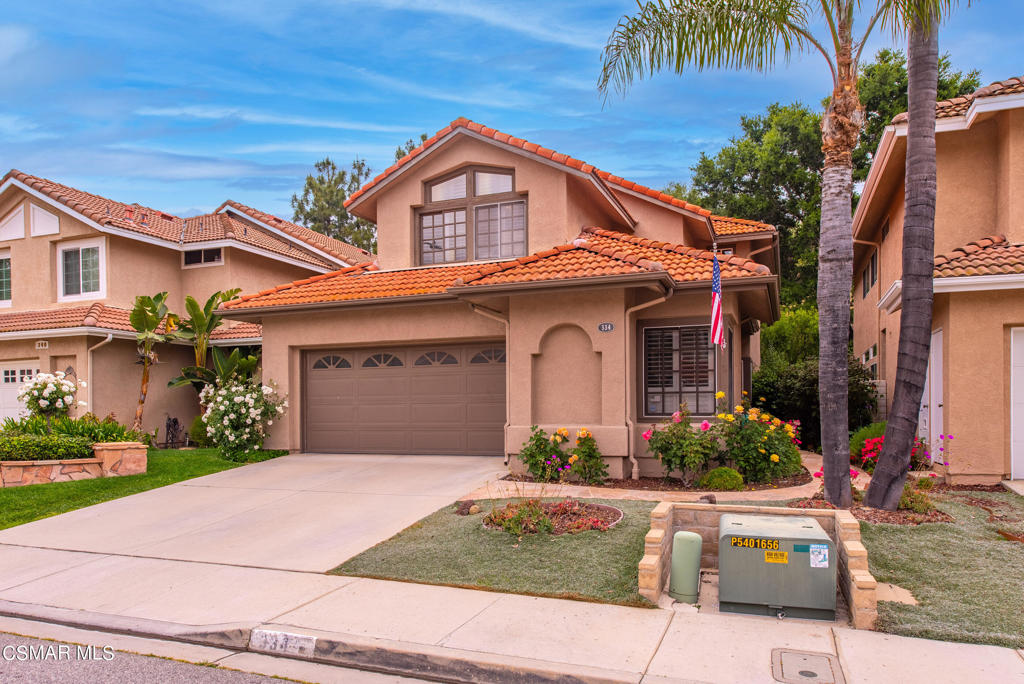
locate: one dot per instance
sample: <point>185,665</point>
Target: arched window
<point>382,360</point>
<point>436,358</point>
<point>496,355</point>
<point>331,361</point>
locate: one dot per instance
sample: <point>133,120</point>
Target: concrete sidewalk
<point>466,635</point>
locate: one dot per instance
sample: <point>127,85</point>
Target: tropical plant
<point>680,447</point>
<point>198,328</point>
<point>238,413</point>
<point>920,20</point>
<point>749,34</point>
<point>153,323</point>
<point>49,394</point>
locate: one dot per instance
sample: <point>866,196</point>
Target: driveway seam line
<point>277,617</point>
<point>55,572</point>
<point>447,636</point>
<point>657,646</point>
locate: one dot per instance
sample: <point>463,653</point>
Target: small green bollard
<point>684,583</point>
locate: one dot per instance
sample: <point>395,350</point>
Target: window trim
<point>62,247</point>
<point>203,263</point>
<point>469,203</point>
<point>869,276</point>
<point>5,253</point>
<point>641,375</point>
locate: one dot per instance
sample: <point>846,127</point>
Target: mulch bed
<point>671,484</point>
<point>874,515</point>
<point>564,514</point>
<point>967,488</point>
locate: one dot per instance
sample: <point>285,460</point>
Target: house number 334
<point>605,327</point>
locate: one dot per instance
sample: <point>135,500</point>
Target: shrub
<point>197,433</point>
<point>722,479</point>
<point>88,426</point>
<point>914,500</point>
<point>585,459</point>
<point>49,394</point>
<point>238,413</point>
<point>792,338</point>
<point>867,432</point>
<point>919,456</point>
<point>790,391</point>
<point>759,445</point>
<point>519,518</point>
<point>682,448</point>
<point>547,462</point>
<point>28,447</point>
<point>924,483</point>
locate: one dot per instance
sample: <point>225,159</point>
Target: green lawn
<point>19,505</point>
<point>968,580</point>
<point>445,548</point>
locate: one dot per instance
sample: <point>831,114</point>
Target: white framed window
<point>81,270</point>
<point>211,256</point>
<point>5,278</point>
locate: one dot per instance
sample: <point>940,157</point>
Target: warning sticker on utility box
<point>819,555</point>
<point>776,557</point>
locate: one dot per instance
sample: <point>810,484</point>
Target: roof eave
<point>591,282</point>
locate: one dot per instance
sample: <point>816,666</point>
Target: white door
<point>935,391</point>
<point>12,375</point>
<point>1017,403</point>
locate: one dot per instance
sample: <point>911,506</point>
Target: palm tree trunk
<point>918,263</point>
<point>840,129</point>
<point>143,391</point>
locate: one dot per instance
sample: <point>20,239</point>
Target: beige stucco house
<point>72,263</point>
<point>976,376</point>
<point>513,286</point>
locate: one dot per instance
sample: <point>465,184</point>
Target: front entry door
<point>1017,403</point>
<point>935,422</point>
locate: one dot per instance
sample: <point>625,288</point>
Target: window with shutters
<point>679,366</point>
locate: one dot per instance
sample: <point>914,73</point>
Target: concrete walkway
<point>506,489</point>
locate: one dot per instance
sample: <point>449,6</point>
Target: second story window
<point>81,269</point>
<point>5,277</point>
<point>473,214</point>
<point>203,257</point>
<point>870,275</point>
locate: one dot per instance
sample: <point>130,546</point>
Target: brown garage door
<point>440,399</point>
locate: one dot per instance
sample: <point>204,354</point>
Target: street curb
<point>422,660</point>
<point>230,635</point>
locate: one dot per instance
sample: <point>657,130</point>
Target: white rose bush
<point>50,394</point>
<point>238,413</point>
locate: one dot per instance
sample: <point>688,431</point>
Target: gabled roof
<point>958,106</point>
<point>293,241</point>
<point>596,253</point>
<point>533,148</point>
<point>100,318</point>
<point>989,256</point>
<point>725,225</point>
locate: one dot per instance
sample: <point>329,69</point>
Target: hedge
<point>15,447</point>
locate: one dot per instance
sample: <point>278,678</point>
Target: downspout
<point>107,340</point>
<point>497,316</point>
<point>630,381</point>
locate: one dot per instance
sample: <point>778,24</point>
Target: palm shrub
<point>682,448</point>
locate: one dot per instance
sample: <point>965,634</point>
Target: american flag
<point>717,327</point>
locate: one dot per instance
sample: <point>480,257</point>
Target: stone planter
<point>111,459</point>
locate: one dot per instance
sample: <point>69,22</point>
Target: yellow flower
<point>771,428</point>
<point>753,413</point>
<point>778,422</point>
<point>761,398</point>
<point>719,395</point>
<point>737,408</point>
<point>775,458</point>
<point>761,449</point>
<point>721,416</point>
<point>744,392</point>
<point>573,458</point>
<point>729,417</point>
<point>563,431</point>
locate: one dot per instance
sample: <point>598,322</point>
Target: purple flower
<point>945,463</point>
<point>942,436</point>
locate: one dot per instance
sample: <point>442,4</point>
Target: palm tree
<point>148,316</point>
<point>749,34</point>
<point>919,21</point>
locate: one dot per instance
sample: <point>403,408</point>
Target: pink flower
<point>942,436</point>
<point>853,473</point>
<point>705,426</point>
<point>647,435</point>
<point>677,417</point>
<point>819,474</point>
<point>945,463</point>
<point>933,474</point>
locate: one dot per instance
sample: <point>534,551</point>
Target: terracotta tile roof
<point>989,256</point>
<point>597,252</point>
<point>105,317</point>
<point>215,226</point>
<point>566,160</point>
<point>725,225</point>
<point>958,106</point>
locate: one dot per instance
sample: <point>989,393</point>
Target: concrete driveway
<point>301,512</point>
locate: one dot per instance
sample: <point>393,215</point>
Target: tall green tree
<point>321,206</point>
<point>408,146</point>
<point>883,92</point>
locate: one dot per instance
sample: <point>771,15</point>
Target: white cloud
<point>14,128</point>
<point>216,113</point>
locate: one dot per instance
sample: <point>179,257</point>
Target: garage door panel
<point>445,405</point>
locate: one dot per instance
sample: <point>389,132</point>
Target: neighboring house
<point>975,386</point>
<point>72,263</point>
<point>514,286</point>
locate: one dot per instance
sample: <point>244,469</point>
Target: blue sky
<point>181,105</point>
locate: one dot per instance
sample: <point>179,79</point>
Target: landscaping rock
<point>474,509</point>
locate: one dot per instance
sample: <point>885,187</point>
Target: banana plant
<point>153,324</point>
<point>198,328</point>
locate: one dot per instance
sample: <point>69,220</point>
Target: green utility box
<point>776,565</point>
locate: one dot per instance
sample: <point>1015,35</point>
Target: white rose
<point>44,403</point>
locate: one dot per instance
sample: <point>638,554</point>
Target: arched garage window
<point>382,360</point>
<point>436,358</point>
<point>489,356</point>
<point>331,361</point>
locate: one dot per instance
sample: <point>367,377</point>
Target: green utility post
<point>684,583</point>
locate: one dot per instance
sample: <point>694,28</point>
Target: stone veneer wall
<point>111,459</point>
<point>667,518</point>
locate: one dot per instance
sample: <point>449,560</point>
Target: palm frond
<point>899,15</point>
<point>703,34</point>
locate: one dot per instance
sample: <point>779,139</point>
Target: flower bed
<point>552,517</point>
<point>674,484</point>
